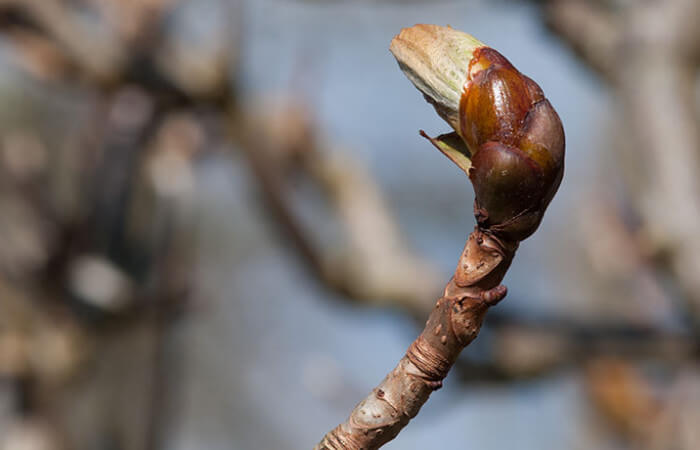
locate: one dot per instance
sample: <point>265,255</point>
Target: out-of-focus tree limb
<point>591,31</point>
<point>97,50</point>
<point>623,396</point>
<point>370,261</point>
<point>652,412</point>
<point>517,346</point>
<point>650,52</point>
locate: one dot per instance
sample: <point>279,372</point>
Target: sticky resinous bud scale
<point>507,136</point>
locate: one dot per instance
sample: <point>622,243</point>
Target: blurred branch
<point>377,264</point>
<point>369,261</point>
<point>106,220</point>
<point>650,52</point>
<point>592,32</point>
<point>623,396</point>
<point>107,247</point>
<point>95,49</point>
<point>651,411</point>
<point>517,346</point>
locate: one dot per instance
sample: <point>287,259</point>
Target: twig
<point>453,324</point>
<point>512,149</point>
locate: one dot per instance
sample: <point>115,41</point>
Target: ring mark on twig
<point>433,366</point>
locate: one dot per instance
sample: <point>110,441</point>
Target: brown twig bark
<point>453,324</point>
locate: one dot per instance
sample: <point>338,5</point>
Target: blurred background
<point>219,228</point>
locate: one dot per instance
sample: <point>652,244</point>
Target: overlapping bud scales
<point>512,140</point>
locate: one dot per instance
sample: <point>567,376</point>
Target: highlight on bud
<point>508,138</point>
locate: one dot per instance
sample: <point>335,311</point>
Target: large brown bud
<point>509,139</point>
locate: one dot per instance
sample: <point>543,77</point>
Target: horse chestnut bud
<point>509,139</point>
